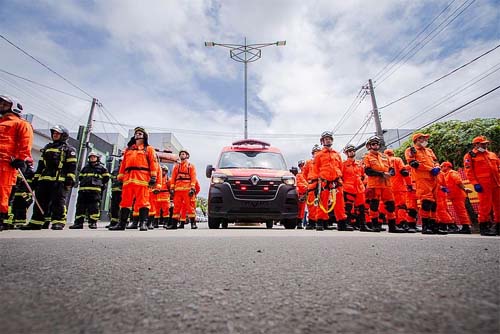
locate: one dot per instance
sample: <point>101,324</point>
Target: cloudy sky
<point>146,62</point>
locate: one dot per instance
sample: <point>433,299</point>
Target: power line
<point>47,67</point>
<point>440,78</point>
<point>447,97</point>
<point>361,96</point>
<point>448,113</point>
<point>362,125</point>
<point>43,85</point>
<point>407,56</point>
<point>413,40</point>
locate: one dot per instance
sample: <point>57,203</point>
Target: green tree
<point>452,139</point>
<point>202,203</point>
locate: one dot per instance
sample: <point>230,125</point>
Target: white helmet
<point>16,106</point>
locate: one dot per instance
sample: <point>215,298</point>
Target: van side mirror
<point>209,170</point>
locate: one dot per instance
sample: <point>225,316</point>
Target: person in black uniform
<point>22,195</point>
<point>92,180</point>
<point>116,196</point>
<point>54,176</point>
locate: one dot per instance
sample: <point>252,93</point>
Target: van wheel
<point>213,223</point>
<point>289,224</point>
<point>269,224</point>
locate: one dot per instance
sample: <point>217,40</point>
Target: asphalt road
<point>247,281</point>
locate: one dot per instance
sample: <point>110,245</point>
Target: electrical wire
<point>420,46</point>
<point>454,93</point>
<point>47,67</point>
<point>347,111</point>
<point>440,78</point>
<point>43,85</point>
<point>413,40</point>
<point>448,114</point>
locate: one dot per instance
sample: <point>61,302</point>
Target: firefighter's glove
<point>69,182</point>
<point>18,163</point>
<point>409,187</point>
<point>152,181</point>
<point>435,171</point>
<point>478,188</point>
<point>156,191</point>
<point>392,171</point>
<point>445,189</point>
<point>191,192</point>
<point>414,164</point>
<point>404,172</point>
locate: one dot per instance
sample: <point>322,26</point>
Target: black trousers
<point>52,198</point>
<point>88,205</point>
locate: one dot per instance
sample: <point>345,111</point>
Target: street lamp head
<point>280,43</point>
<point>209,44</point>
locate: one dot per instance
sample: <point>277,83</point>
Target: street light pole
<point>245,53</point>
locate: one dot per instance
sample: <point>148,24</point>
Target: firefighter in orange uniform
<point>457,193</point>
<point>328,167</point>
<point>425,168</point>
<point>378,190</point>
<point>163,199</point>
<point>182,185</point>
<point>138,172</point>
<point>354,189</point>
<point>153,197</point>
<point>301,193</point>
<point>443,215</point>
<point>412,205</point>
<point>312,182</point>
<point>400,182</point>
<point>191,214</point>
<point>16,139</point>
<point>482,168</point>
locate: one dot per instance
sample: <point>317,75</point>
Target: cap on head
<point>389,152</point>
<point>419,135</point>
<point>446,164</point>
<point>480,140</point>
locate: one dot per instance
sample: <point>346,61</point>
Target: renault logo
<point>254,179</point>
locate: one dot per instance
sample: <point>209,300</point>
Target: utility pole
<point>376,115</point>
<point>84,144</point>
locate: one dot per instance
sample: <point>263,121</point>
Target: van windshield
<point>252,160</point>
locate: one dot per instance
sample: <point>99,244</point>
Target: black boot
<point>465,230</point>
<point>30,226</point>
<point>143,219</point>
<point>76,226</point>
<point>320,225</point>
<point>498,228</point>
<point>124,215</point>
<point>311,224</point>
<point>442,228</point>
<point>172,225</point>
<point>342,226</point>
<point>452,228</point>
<point>362,222</point>
<point>156,222</point>
<point>57,226</point>
<point>134,223</point>
<point>393,228</point>
<point>93,225</point>
<point>46,225</point>
<point>112,224</point>
<point>150,222</point>
<point>193,223</point>
<point>299,224</point>
<point>427,226</point>
<point>375,225</point>
<point>412,228</point>
<point>181,224</point>
<point>486,230</point>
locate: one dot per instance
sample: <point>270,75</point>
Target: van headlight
<point>288,180</point>
<point>218,178</point>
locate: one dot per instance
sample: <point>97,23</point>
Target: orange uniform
<point>354,189</point>
<point>457,195</point>
<point>442,214</point>
<point>328,166</point>
<point>400,182</point>
<point>183,182</point>
<point>163,198</point>
<point>139,165</point>
<point>302,193</point>
<point>16,139</point>
<point>377,168</point>
<point>191,214</point>
<point>312,182</point>
<point>483,169</point>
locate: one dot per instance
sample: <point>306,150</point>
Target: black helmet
<point>373,139</point>
<point>349,147</point>
<point>60,129</point>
